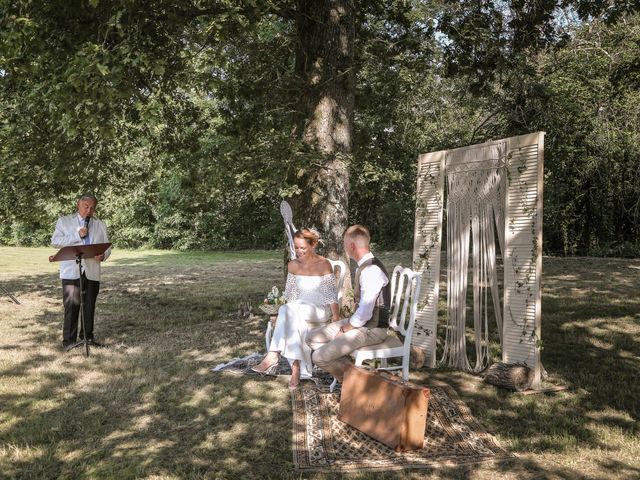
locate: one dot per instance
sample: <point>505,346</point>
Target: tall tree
<point>324,117</point>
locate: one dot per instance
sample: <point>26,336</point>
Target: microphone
<point>87,219</point>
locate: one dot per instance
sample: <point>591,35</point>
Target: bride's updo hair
<point>310,235</point>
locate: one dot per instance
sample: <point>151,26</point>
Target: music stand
<point>78,252</point>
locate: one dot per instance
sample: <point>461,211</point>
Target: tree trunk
<point>324,117</point>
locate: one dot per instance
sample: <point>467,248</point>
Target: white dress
<point>309,299</point>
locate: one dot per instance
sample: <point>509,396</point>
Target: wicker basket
<point>269,309</point>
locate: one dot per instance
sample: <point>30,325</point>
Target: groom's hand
<point>344,329</point>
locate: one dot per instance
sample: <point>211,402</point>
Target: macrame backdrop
<point>475,208</point>
<point>491,187</point>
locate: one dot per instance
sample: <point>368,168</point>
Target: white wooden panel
<point>426,250</point>
<point>523,257</point>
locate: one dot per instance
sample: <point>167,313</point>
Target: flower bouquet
<point>272,302</point>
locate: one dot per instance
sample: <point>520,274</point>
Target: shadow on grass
<point>163,258</point>
<point>150,406</point>
<point>590,320</point>
<point>180,424</point>
<point>592,330</point>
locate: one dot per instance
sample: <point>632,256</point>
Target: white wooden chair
<point>405,290</point>
<point>340,270</point>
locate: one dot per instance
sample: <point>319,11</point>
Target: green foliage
<point>592,183</point>
<point>179,116</point>
<point>545,70</point>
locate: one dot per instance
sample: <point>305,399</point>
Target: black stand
<point>79,252</point>
<point>84,341</point>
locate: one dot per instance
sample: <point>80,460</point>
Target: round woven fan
<point>289,227</point>
<point>287,213</point>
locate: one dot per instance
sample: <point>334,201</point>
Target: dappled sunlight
<point>230,436</point>
<point>148,405</point>
<point>142,448</point>
<point>613,418</point>
<point>138,424</point>
<point>8,421</point>
<point>21,453</point>
<point>199,397</point>
<point>92,380</point>
<point>200,356</point>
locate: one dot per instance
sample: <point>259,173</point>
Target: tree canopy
<point>191,120</point>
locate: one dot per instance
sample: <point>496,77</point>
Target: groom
<point>332,343</point>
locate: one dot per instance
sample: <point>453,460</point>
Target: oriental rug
<point>322,442</point>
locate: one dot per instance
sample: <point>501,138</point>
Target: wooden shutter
<point>426,250</point>
<point>523,258</point>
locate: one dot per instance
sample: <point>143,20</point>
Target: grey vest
<point>380,317</point>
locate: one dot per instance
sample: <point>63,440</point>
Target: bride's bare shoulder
<point>324,266</point>
<point>293,267</point>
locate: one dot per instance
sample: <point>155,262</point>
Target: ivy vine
<point>430,236</point>
<point>525,284</point>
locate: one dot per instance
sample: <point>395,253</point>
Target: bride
<point>311,301</point>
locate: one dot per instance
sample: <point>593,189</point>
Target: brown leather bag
<point>385,408</point>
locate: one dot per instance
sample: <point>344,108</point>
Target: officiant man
<point>80,228</point>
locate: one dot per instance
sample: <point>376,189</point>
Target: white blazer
<point>66,234</point>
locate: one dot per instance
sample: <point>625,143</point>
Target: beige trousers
<point>331,353</point>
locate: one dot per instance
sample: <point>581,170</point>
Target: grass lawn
<point>148,406</point>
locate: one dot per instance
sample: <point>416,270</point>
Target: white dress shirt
<point>372,279</point>
<point>67,233</point>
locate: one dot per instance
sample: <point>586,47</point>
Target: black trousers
<point>71,301</point>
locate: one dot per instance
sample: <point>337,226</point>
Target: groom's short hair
<point>358,234</point>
